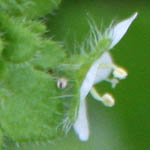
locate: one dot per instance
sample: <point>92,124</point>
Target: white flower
<point>100,71</point>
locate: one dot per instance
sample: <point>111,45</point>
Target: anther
<point>108,100</point>
<point>119,73</point>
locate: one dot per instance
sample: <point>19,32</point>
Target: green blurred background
<point>127,125</point>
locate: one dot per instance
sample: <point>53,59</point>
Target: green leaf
<point>20,43</point>
<point>29,8</point>
<point>32,107</point>
<point>1,46</point>
<point>3,70</point>
<point>50,56</point>
<point>35,26</point>
<point>28,110</point>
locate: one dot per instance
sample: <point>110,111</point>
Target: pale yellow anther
<point>108,100</point>
<point>120,73</point>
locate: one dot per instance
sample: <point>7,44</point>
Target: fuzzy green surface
<point>27,110</point>
<point>21,43</point>
<point>1,46</point>
<point>50,56</point>
<point>29,8</point>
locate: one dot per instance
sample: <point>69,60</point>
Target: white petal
<point>119,30</point>
<point>103,73</point>
<point>96,74</point>
<point>89,80</point>
<point>81,124</point>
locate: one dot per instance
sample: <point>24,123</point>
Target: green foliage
<point>28,107</point>
<point>35,26</point>
<point>3,70</point>
<point>48,60</point>
<point>1,45</point>
<point>29,8</point>
<point>32,107</point>
<point>21,43</point>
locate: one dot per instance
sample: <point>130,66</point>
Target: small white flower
<point>100,71</point>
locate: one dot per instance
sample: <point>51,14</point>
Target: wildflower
<point>100,71</point>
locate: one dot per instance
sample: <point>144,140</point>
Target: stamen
<point>106,99</point>
<point>95,94</point>
<point>119,73</point>
<point>113,81</point>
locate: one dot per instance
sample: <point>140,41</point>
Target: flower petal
<point>119,30</point>
<point>103,73</point>
<point>89,80</point>
<point>81,124</point>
